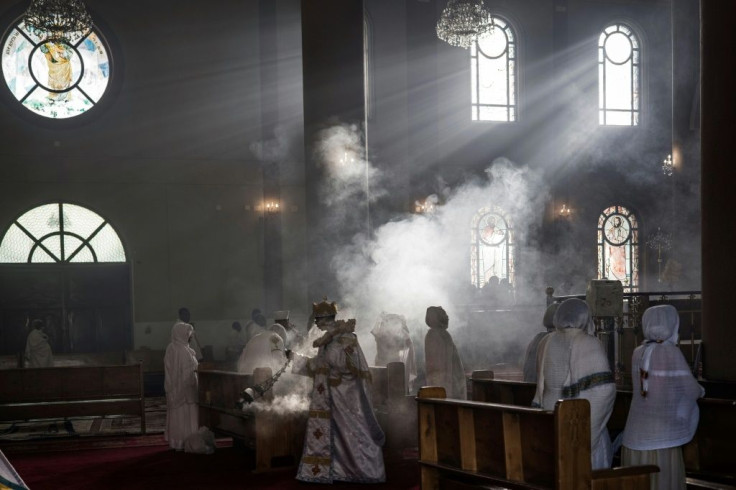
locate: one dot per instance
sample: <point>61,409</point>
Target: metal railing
<point>621,334</point>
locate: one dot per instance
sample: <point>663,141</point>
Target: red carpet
<point>158,467</point>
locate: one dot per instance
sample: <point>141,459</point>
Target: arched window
<point>493,74</point>
<point>618,247</point>
<point>491,247</point>
<point>55,79</point>
<point>619,76</point>
<point>60,233</point>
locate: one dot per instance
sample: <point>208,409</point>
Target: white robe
<point>343,439</point>
<point>38,350</point>
<point>664,410</point>
<point>574,365</point>
<point>442,363</point>
<point>264,350</point>
<point>181,384</point>
<point>393,344</point>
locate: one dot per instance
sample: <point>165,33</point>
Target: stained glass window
<point>491,247</point>
<point>618,247</point>
<point>493,74</point>
<point>52,78</point>
<point>619,76</point>
<point>58,233</point>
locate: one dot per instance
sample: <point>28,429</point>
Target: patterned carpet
<point>87,426</point>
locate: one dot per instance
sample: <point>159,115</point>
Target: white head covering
<point>574,313</point>
<point>436,317</point>
<point>279,329</point>
<point>661,324</point>
<point>549,316</point>
<point>664,412</point>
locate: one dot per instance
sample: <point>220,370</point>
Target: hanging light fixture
<point>58,20</point>
<point>463,22</point>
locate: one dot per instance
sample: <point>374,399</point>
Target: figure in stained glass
<point>58,59</point>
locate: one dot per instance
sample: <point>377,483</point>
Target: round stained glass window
<point>492,229</point>
<point>616,229</point>
<point>55,79</point>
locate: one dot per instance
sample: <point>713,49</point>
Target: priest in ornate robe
<point>343,441</point>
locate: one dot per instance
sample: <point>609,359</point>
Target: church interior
<point>279,153</point>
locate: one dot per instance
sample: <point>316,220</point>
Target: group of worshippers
<point>569,361</point>
<point>343,440</point>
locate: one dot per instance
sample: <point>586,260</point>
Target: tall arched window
<point>493,74</point>
<point>619,76</point>
<point>618,247</point>
<point>60,233</point>
<point>491,247</point>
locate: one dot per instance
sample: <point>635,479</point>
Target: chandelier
<point>463,22</point>
<point>58,20</point>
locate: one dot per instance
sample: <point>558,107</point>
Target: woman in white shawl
<point>573,364</point>
<point>38,350</point>
<point>393,344</point>
<point>664,410</point>
<point>180,383</point>
<point>441,359</point>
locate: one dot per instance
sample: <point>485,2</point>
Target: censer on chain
<point>252,393</point>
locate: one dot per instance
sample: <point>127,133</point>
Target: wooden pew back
<point>276,438</point>
<point>395,409</point>
<point>709,456</point>
<point>487,389</point>
<point>512,446</point>
<point>59,392</point>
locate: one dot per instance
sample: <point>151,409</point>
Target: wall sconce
<point>271,207</point>
<point>347,158</point>
<point>668,166</point>
<point>425,207</point>
<point>565,211</point>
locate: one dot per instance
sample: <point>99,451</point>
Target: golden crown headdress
<point>324,309</point>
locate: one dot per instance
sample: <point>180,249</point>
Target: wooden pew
<point>153,369</point>
<point>486,389</point>
<point>276,438</point>
<point>478,444</point>
<point>395,409</point>
<point>708,457</point>
<point>78,391</point>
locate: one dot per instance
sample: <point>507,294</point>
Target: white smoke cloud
<point>422,260</point>
<point>340,151</point>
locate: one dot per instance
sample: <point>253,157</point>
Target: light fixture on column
<point>463,22</point>
<point>58,20</point>
<point>668,166</point>
<point>427,206</point>
<point>271,207</point>
<point>564,211</point>
<point>660,241</point>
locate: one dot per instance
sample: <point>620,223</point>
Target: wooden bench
<point>465,444</point>
<point>395,409</point>
<point>153,369</point>
<point>708,456</point>
<point>485,388</point>
<point>276,437</point>
<point>78,391</point>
